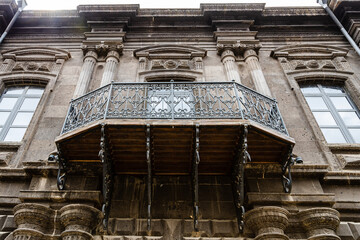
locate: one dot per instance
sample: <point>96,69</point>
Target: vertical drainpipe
<point>21,5</point>
<point>323,3</point>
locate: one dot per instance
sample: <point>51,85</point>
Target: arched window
<point>17,106</point>
<point>335,113</point>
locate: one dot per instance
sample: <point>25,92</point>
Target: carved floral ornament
<point>311,57</point>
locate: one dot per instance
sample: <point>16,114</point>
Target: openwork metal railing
<point>174,100</point>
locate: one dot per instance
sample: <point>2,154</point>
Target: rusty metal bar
<point>195,178</point>
<point>149,177</point>
<point>238,178</point>
<point>107,175</point>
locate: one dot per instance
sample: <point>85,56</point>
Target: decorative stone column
<point>268,223</point>
<point>252,61</point>
<point>32,220</point>
<point>112,59</point>
<point>320,223</point>
<point>86,72</point>
<point>79,220</point>
<point>227,53</point>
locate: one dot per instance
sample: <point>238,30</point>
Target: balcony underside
<point>172,145</point>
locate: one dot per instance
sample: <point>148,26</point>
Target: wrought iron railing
<point>174,100</point>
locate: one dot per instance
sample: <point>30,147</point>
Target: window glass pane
<point>310,89</point>
<point>22,118</point>
<point>35,90</point>
<point>350,118</point>
<point>30,104</point>
<point>355,133</point>
<point>333,135</point>
<point>333,89</point>
<point>341,103</point>
<point>8,103</point>
<point>324,118</point>
<point>14,90</point>
<point>3,117</point>
<point>15,134</point>
<point>316,103</point>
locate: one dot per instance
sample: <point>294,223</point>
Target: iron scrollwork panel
<point>174,100</point>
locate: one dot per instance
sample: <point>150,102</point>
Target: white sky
<point>71,4</point>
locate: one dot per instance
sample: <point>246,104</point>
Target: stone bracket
<point>149,176</point>
<point>238,179</point>
<point>107,175</point>
<point>195,178</point>
<point>290,160</point>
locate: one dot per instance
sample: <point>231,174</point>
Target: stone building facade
<point>231,121</point>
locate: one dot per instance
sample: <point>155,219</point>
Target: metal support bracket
<point>238,179</point>
<point>290,160</point>
<point>62,170</point>
<point>149,176</point>
<point>195,178</point>
<point>107,175</point>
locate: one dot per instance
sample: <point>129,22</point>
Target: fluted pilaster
<point>112,60</point>
<point>253,65</point>
<point>32,220</point>
<point>79,220</point>
<point>268,223</point>
<point>320,223</point>
<point>86,73</point>
<point>227,53</point>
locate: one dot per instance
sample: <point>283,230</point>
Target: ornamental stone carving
<point>268,223</point>
<point>320,223</point>
<point>311,57</point>
<point>33,221</point>
<point>33,60</point>
<point>37,222</point>
<point>170,61</point>
<point>79,220</point>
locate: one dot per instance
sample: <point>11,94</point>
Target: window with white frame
<point>335,113</point>
<point>17,106</point>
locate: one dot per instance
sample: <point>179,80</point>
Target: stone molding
<point>268,222</point>
<point>320,223</point>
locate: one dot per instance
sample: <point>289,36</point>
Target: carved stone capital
<point>113,54</point>
<point>320,223</point>
<point>79,218</point>
<point>106,49</point>
<point>33,216</point>
<point>268,222</point>
<point>91,54</point>
<point>234,48</point>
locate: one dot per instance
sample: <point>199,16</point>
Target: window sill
<point>9,146</point>
<point>344,147</point>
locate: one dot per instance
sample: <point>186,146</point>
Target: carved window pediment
<point>34,60</point>
<point>172,61</point>
<point>311,57</point>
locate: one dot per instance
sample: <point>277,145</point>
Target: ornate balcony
<point>175,128</point>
